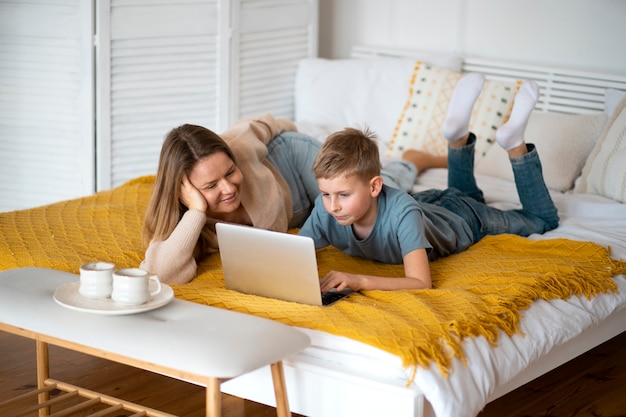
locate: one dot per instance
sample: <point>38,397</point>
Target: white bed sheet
<point>545,325</point>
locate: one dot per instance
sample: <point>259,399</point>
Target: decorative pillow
<point>604,172</point>
<point>563,141</point>
<point>332,94</point>
<point>419,126</point>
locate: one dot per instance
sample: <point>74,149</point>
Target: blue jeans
<point>463,197</point>
<point>293,154</point>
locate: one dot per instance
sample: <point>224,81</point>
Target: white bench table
<point>184,340</point>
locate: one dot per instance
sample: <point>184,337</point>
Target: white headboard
<point>562,90</point>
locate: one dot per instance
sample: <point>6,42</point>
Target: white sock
<point>466,91</point>
<point>511,134</point>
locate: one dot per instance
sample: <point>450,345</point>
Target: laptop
<point>272,264</point>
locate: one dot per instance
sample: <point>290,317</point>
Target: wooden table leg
<point>280,390</point>
<point>213,398</point>
<point>43,373</point>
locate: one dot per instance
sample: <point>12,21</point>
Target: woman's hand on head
<point>191,197</point>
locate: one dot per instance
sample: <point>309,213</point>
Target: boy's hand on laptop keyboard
<point>340,281</point>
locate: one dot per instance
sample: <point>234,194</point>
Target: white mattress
<point>546,324</point>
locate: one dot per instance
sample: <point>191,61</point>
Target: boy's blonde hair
<point>348,152</point>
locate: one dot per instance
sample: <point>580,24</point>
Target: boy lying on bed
<point>361,216</point>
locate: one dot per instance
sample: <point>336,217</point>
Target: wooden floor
<point>593,385</point>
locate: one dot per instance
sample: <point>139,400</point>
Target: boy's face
<point>348,199</point>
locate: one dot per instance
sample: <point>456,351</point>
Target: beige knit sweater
<point>264,194</point>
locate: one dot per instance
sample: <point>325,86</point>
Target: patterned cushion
<point>604,172</point>
<point>419,126</point>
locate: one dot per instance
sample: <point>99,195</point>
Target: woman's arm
<point>416,270</point>
<point>172,259</point>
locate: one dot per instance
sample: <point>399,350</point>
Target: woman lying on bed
<point>257,173</point>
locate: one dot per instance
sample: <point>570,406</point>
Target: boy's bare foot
<point>424,160</point>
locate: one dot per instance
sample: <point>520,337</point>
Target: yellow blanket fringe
<point>477,292</point>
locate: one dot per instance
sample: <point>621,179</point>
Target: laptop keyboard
<point>332,296</point>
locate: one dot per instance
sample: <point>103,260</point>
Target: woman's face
<point>219,181</point>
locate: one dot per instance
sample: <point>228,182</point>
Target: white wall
<point>580,34</point>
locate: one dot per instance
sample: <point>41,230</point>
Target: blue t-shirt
<point>402,225</point>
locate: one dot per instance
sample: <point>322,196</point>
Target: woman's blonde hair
<point>349,152</point>
<point>182,148</point>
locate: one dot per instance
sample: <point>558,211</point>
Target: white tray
<point>68,296</point>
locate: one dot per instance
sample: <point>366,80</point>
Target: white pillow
<point>612,98</point>
<point>339,93</point>
<point>604,172</point>
<point>564,142</point>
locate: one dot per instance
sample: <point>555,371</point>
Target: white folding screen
<point>208,62</point>
<point>88,89</point>
<point>269,40</point>
<point>157,69</point>
<point>46,102</point>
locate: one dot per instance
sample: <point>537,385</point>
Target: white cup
<point>131,286</point>
<point>96,280</point>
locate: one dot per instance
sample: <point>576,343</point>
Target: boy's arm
<point>416,270</point>
<point>416,267</point>
<point>312,227</point>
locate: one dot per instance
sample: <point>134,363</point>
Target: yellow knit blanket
<point>477,292</point>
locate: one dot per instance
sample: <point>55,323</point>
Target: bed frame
<point>319,388</point>
<point>562,90</point>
